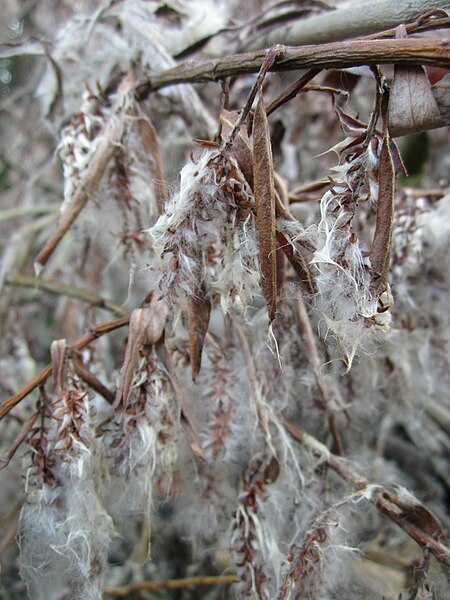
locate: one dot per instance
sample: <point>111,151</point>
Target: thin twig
<point>172,584</point>
<point>85,374</point>
<point>96,332</point>
<point>292,91</point>
<point>29,211</point>
<point>63,289</point>
<point>25,429</point>
<point>269,61</point>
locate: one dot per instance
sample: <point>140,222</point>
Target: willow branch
<point>388,503</point>
<point>96,332</point>
<point>63,289</point>
<point>360,18</point>
<point>337,55</point>
<point>172,584</point>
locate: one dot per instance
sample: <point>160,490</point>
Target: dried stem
<point>338,55</point>
<point>96,332</point>
<point>63,289</point>
<point>172,584</point>
<point>25,429</point>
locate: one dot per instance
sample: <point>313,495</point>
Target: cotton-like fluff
<point>64,530</point>
<point>209,233</point>
<point>141,448</point>
<point>348,311</point>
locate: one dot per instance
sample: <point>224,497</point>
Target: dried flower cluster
<point>248,345</point>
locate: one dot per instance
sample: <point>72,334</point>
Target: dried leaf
<point>380,255</point>
<point>150,142</point>
<point>139,321</point>
<point>207,144</point>
<point>155,329</point>
<point>264,191</point>
<point>412,106</point>
<point>199,309</point>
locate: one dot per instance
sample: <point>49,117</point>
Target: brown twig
<point>96,332</point>
<point>292,91</point>
<point>337,55</point>
<point>25,429</point>
<point>172,584</point>
<point>85,374</point>
<point>270,59</point>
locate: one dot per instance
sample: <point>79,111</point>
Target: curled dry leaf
<point>265,206</point>
<point>150,142</point>
<point>155,328</point>
<point>139,322</point>
<point>412,106</point>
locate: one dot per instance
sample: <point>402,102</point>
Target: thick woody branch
<point>338,55</point>
<point>360,18</point>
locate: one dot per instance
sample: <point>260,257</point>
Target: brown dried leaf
<point>380,255</point>
<point>139,321</point>
<point>207,144</point>
<point>264,191</point>
<point>412,105</point>
<point>155,329</point>
<point>150,142</point>
<point>199,309</point>
<point>242,150</point>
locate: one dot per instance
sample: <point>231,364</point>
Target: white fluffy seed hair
<point>199,222</point>
<point>345,307</point>
<point>64,538</point>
